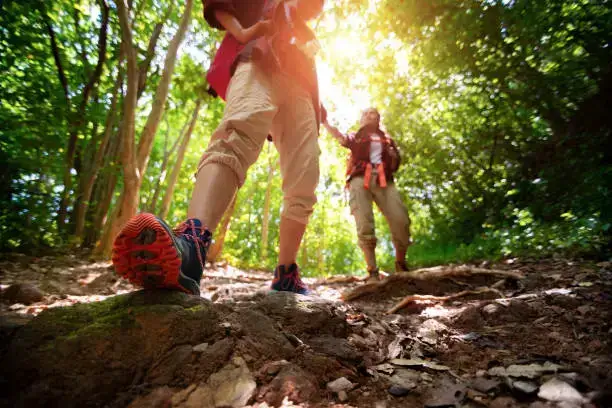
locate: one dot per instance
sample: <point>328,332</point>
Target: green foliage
<point>32,128</point>
<point>485,98</point>
<point>499,109</point>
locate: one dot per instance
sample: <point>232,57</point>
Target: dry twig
<point>437,272</point>
<point>412,298</point>
<point>341,279</point>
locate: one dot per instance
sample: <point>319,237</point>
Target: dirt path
<point>542,340</point>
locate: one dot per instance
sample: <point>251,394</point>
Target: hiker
<point>374,158</point>
<point>265,70</point>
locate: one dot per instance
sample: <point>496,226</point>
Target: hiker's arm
<point>343,140</point>
<point>229,21</point>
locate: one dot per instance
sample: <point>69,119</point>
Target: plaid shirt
<point>359,145</point>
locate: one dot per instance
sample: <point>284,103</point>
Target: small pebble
<point>490,308</point>
<point>200,347</point>
<point>398,391</point>
<point>526,387</point>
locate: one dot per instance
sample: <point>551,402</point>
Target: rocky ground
<point>73,335</point>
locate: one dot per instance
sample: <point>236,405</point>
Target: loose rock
<point>292,383</point>
<point>23,293</point>
<point>490,309</point>
<point>407,379</point>
<point>398,391</point>
<point>524,371</point>
<point>340,384</point>
<point>525,387</point>
<point>559,391</point>
<point>200,347</point>
<point>484,384</point>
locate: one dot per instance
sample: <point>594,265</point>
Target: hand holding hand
<point>259,29</point>
<point>264,27</point>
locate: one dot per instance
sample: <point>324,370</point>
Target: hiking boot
<point>149,254</point>
<point>400,266</point>
<point>373,275</point>
<point>288,280</point>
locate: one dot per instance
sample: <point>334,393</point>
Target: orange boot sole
<point>144,253</point>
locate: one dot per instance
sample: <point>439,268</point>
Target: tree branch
<point>146,63</point>
<point>81,51</point>
<point>150,53</point>
<point>412,298</point>
<point>95,75</point>
<point>130,101</point>
<point>56,58</point>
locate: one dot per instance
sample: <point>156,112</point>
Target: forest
<point>500,109</point>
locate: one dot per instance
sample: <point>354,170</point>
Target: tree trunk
<point>165,205</point>
<point>266,209</point>
<point>221,232</point>
<point>135,160</point>
<point>104,188</point>
<point>127,205</point>
<point>82,165</point>
<point>161,94</point>
<point>162,173</point>
<point>107,190</point>
<point>88,180</point>
<point>78,118</point>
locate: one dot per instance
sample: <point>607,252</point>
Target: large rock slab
<point>85,354</point>
<point>145,347</point>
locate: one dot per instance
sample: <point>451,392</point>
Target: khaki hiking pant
<point>390,204</point>
<point>260,103</point>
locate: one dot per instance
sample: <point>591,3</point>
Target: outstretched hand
<point>332,129</point>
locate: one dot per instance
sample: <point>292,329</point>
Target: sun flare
<point>343,97</point>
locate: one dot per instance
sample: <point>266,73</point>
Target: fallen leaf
<point>385,368</point>
<point>419,363</point>
<point>524,371</point>
<point>395,347</point>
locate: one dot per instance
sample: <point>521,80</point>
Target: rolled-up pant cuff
<point>226,160</point>
<point>367,243</point>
